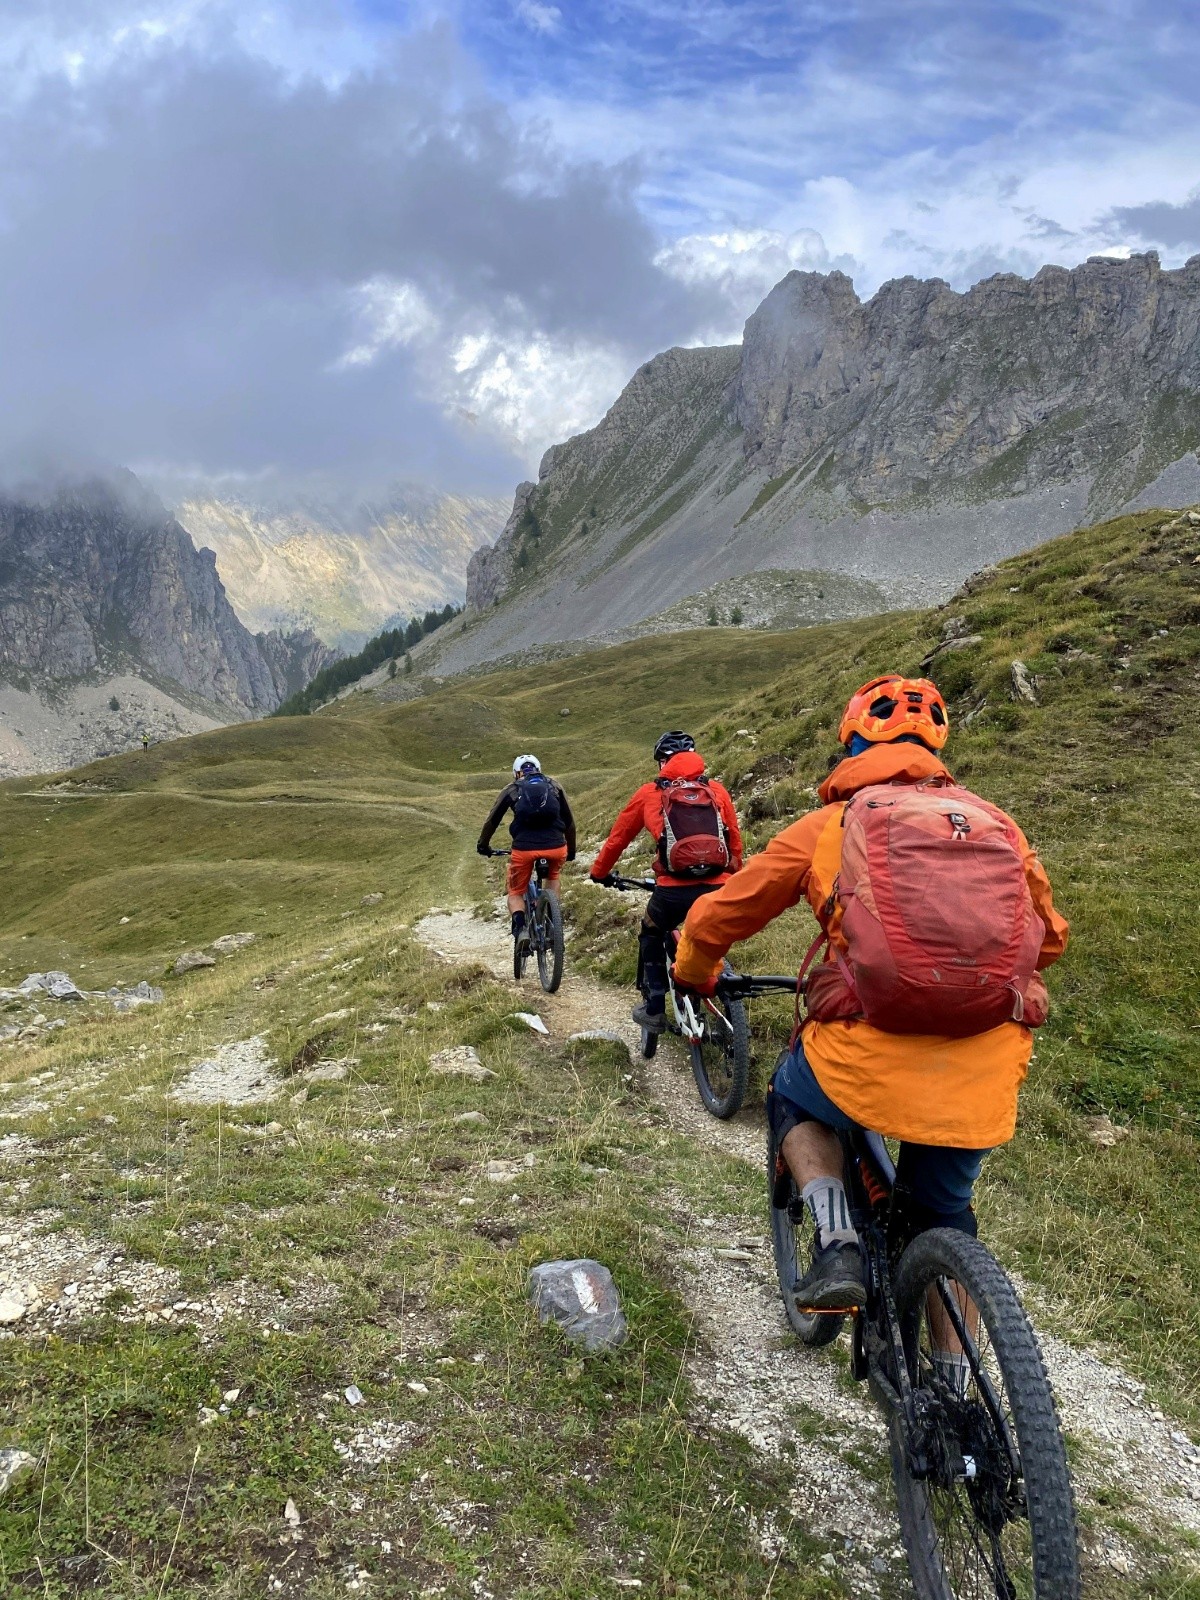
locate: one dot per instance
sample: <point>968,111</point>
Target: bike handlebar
<point>744,986</point>
<point>634,883</point>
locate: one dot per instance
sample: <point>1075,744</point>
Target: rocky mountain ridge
<point>98,583</point>
<point>904,441</point>
<point>346,570</point>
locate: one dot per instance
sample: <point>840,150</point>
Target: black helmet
<point>671,744</point>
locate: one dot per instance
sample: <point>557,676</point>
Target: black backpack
<point>536,805</point>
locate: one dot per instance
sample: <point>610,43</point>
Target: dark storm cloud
<point>181,238</point>
<point>1160,222</point>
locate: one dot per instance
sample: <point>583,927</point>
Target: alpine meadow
<point>277,1341</point>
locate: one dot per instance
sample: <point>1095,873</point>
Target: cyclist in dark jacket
<point>542,827</point>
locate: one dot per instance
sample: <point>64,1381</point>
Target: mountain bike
<point>982,1487</point>
<point>716,1030</point>
<point>543,935</point>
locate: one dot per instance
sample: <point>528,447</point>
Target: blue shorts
<point>936,1181</point>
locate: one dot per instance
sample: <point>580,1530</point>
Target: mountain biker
<point>949,1100</point>
<point>674,893</point>
<point>542,827</point>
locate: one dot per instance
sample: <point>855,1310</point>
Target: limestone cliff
<point>904,442</point>
<point>96,578</point>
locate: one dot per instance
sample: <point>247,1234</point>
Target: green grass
<point>346,1221</point>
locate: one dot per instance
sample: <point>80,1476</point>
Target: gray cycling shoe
<point>834,1282</point>
<point>652,1021</point>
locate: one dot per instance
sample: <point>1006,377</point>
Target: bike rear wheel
<point>721,1060</point>
<point>792,1231</point>
<point>995,1520</point>
<point>549,940</point>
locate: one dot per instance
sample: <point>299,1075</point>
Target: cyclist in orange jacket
<point>948,1099</point>
<point>674,893</point>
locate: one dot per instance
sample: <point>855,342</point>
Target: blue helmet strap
<point>859,742</point>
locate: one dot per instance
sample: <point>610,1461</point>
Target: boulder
<point>371,899</point>
<point>581,1297</point>
<point>229,942</point>
<point>192,961</point>
<point>60,986</point>
<point>1023,685</point>
<point>14,1465</point>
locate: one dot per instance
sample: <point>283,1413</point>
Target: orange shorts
<point>520,867</point>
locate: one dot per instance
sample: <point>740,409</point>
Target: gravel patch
<point>236,1074</point>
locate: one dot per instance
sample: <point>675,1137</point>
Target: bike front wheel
<point>549,940</point>
<point>995,1516</point>
<point>721,1058</point>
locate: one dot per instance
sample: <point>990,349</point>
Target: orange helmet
<point>889,707</point>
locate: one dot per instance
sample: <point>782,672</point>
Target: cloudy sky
<point>366,239</point>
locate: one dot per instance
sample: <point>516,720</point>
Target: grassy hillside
<point>325,1233</point>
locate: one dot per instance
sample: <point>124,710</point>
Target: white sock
<point>826,1200</point>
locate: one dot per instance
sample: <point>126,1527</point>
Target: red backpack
<point>942,934</point>
<point>693,842</point>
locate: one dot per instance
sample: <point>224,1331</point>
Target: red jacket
<point>645,811</point>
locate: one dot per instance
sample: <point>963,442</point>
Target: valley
<point>215,1276</point>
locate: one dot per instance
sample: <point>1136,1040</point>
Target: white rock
<point>12,1309</point>
<point>230,1396</point>
<point>192,961</point>
<point>14,1465</point>
<point>290,1514</point>
<point>331,1016</point>
<point>417,1386</point>
<point>470,1117</point>
<point>229,942</point>
<point>460,1061</point>
<point>354,1395</point>
<point>531,1020</point>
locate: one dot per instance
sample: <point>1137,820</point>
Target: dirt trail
<point>755,1378</point>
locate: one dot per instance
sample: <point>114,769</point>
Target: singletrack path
<point>753,1376</point>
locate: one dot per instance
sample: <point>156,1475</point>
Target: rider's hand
<point>606,880</point>
<point>484,849</point>
<point>707,987</point>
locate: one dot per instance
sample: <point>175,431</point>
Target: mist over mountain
<point>340,566</point>
<point>100,586</point>
<point>904,441</point>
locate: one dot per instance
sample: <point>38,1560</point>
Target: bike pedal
<point>828,1311</point>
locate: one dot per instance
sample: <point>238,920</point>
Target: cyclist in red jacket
<point>680,769</point>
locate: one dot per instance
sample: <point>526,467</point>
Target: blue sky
<point>259,242</point>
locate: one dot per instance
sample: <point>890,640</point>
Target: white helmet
<point>526,764</point>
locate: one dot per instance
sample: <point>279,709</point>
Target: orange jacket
<point>921,1087</point>
<point>645,810</point>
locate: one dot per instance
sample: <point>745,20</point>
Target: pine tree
<point>735,616</point>
<point>712,616</point>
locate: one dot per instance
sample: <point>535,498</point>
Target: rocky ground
<point>44,730</point>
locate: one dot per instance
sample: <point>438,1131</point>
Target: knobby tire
<point>721,1062</point>
<point>549,941</point>
<point>951,1554</point>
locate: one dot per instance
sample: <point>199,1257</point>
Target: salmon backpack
<point>693,842</point>
<point>942,934</point>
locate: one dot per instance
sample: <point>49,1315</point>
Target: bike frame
<point>541,868</point>
<point>689,1023</point>
<point>877,1347</point>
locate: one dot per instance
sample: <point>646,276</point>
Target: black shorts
<point>670,903</point>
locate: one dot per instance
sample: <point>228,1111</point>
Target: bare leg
<point>516,902</point>
<point>812,1150</point>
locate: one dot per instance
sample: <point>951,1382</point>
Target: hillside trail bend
<point>751,1375</point>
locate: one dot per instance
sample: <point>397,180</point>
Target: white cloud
<point>540,17</point>
<point>741,265</point>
